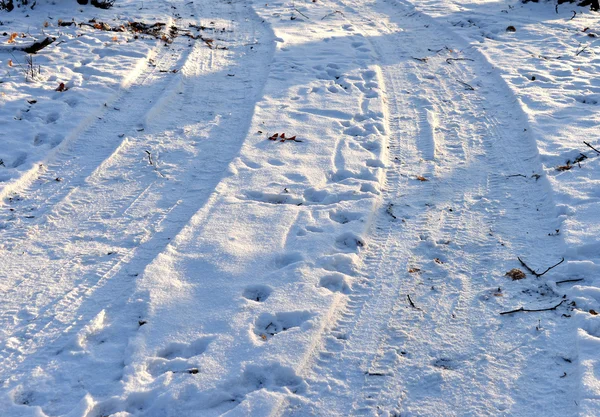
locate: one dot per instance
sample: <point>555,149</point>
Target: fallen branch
<point>592,147</point>
<point>527,310</point>
<point>411,302</point>
<point>536,273</point>
<point>449,60</point>
<point>37,46</point>
<point>569,280</point>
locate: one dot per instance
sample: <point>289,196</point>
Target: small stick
<point>411,302</point>
<point>591,147</point>
<point>301,13</point>
<point>150,161</point>
<point>438,50</point>
<point>331,14</point>
<point>584,48</point>
<point>419,59</point>
<point>535,273</point>
<point>569,280</point>
<point>390,210</point>
<point>516,175</point>
<point>574,14</point>
<point>449,60</point>
<point>192,371</point>
<point>467,86</point>
<point>527,310</point>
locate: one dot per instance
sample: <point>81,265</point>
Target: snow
<point>164,253</point>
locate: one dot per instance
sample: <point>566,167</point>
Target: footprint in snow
<point>268,325</point>
<point>258,293</point>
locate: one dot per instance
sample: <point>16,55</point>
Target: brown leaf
<point>414,270</point>
<point>515,274</point>
<point>421,178</point>
<point>593,312</point>
<point>564,167</point>
<point>61,87</point>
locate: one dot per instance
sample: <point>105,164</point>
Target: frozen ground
<point>162,253</point>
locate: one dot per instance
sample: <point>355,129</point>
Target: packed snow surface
<point>308,208</point>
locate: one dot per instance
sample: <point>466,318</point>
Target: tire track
<point>121,205</point>
<point>468,215</point>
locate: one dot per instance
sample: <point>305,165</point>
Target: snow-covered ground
<point>300,208</point>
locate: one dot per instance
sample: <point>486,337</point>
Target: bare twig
<point>534,272</point>
<point>390,210</point>
<point>467,86</point>
<point>332,14</point>
<point>449,60</point>
<point>568,280</point>
<point>597,151</point>
<point>192,371</point>
<point>410,301</point>
<point>583,49</point>
<point>150,161</point>
<point>574,14</point>
<point>419,59</point>
<point>437,51</point>
<point>299,12</point>
<point>527,310</point>
<point>516,175</point>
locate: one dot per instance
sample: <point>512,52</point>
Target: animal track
<point>52,117</point>
<point>272,377</point>
<point>338,263</point>
<point>283,260</point>
<point>343,217</point>
<point>178,357</point>
<point>336,283</point>
<point>268,325</point>
<point>40,139</point>
<point>258,293</point>
<point>185,350</point>
<point>272,198</point>
<point>591,99</point>
<point>350,241</point>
